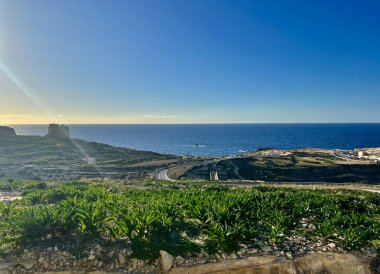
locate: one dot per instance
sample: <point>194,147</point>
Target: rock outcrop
<point>312,263</point>
<point>167,260</point>
<point>7,131</point>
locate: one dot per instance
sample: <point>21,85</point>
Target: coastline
<point>217,140</point>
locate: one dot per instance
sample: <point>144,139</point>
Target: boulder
<point>179,260</point>
<point>167,260</point>
<point>121,258</point>
<point>28,264</point>
<point>266,248</point>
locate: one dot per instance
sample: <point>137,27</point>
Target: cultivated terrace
<point>143,226</point>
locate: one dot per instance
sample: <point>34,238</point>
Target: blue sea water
<point>222,139</point>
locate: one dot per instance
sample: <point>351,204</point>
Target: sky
<point>189,61</point>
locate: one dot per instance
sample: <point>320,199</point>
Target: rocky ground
<point>7,197</point>
<point>98,260</point>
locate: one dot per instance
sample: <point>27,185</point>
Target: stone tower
<point>56,130</point>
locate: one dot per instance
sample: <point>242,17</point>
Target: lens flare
<point>23,87</point>
<point>30,94</point>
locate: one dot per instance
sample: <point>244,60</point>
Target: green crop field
<point>183,219</point>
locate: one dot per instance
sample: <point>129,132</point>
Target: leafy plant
<point>185,220</point>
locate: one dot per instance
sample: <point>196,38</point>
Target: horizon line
<point>202,123</point>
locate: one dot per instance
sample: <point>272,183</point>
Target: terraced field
<point>187,218</point>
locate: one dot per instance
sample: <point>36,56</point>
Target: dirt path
<point>371,190</point>
<point>9,196</point>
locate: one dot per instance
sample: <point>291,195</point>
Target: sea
<point>222,139</point>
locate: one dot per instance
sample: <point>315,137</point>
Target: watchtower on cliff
<point>56,130</point>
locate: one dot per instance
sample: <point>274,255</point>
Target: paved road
<point>162,175</point>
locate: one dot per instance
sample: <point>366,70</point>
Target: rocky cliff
<point>7,131</point>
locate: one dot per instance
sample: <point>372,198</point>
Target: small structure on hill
<point>7,131</point>
<point>213,172</point>
<point>214,175</point>
<point>56,130</point>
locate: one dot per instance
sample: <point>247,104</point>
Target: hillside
<point>49,158</point>
<point>302,165</point>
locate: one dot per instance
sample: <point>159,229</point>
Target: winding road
<point>162,175</point>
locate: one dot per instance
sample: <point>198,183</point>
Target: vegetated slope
<point>65,159</point>
<point>184,221</point>
<point>300,168</point>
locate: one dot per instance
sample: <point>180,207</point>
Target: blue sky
<point>198,61</point>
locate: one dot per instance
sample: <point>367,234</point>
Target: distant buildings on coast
<point>369,154</point>
<point>363,154</point>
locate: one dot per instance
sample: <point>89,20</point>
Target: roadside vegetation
<point>184,219</point>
